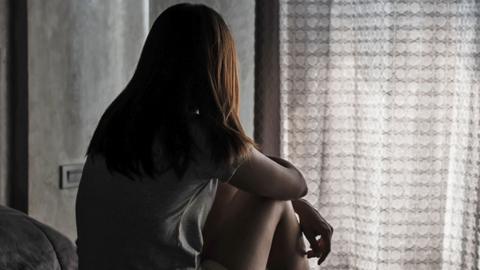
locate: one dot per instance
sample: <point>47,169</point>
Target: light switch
<point>70,175</point>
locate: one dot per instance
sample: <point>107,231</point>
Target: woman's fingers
<point>321,252</point>
<point>325,247</point>
<point>316,251</point>
<point>312,239</point>
<point>318,233</point>
<point>311,254</point>
<point>324,256</point>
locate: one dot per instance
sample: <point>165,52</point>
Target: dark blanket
<point>26,244</point>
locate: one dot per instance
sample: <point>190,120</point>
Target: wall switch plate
<point>70,175</point>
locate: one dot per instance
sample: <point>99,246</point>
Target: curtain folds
<point>380,109</point>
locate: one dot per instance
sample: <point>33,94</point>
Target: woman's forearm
<point>304,209</point>
<point>301,205</point>
<point>296,172</point>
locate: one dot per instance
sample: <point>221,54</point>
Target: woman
<point>170,151</point>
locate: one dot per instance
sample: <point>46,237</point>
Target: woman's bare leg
<point>288,243</point>
<point>246,231</point>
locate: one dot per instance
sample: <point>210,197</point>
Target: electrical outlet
<point>70,175</point>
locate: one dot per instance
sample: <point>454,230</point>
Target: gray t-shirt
<point>147,223</point>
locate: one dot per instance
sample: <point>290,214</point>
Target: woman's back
<point>147,223</point>
<point>183,99</point>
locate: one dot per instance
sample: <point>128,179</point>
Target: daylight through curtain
<point>380,109</point>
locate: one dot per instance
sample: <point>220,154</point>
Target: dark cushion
<point>26,244</point>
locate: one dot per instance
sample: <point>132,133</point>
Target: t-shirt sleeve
<point>229,171</point>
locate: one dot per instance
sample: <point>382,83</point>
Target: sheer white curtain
<point>380,109</point>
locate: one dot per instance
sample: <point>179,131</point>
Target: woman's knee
<point>255,202</point>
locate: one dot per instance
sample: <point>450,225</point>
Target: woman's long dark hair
<point>188,63</point>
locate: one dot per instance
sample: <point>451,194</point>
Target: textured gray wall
<point>3,101</point>
<point>240,17</point>
<point>81,54</point>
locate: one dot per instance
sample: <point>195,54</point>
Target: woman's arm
<point>311,222</point>
<point>313,225</point>
<point>270,177</point>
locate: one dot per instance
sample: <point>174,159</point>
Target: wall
<point>3,101</point>
<point>81,54</point>
<point>240,17</point>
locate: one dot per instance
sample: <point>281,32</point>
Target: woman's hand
<point>313,225</point>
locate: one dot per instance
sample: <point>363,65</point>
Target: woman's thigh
<point>223,196</point>
<point>241,236</point>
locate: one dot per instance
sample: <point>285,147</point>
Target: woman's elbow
<point>301,184</point>
<point>303,188</point>
<point>304,191</point>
